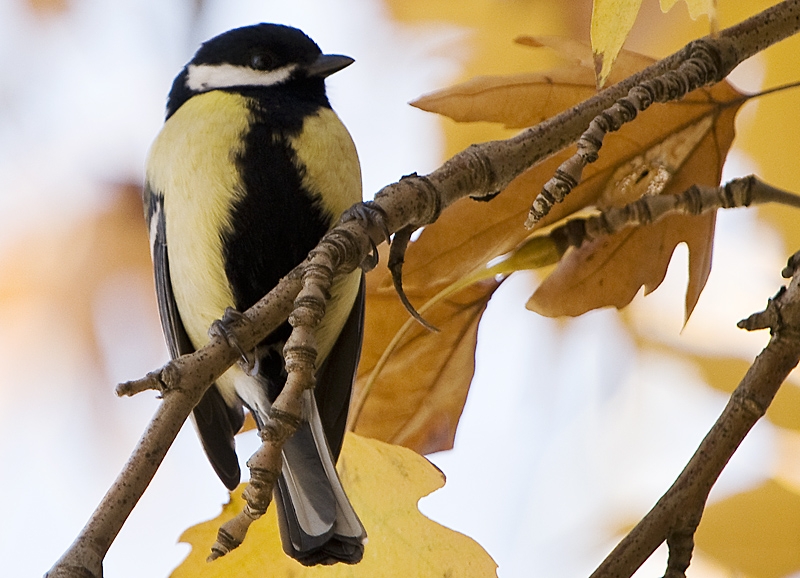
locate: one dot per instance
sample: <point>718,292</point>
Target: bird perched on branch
<point>250,170</point>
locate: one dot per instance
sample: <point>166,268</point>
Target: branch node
<point>792,266</point>
<point>151,381</point>
<point>751,407</point>
<point>770,318</point>
<point>681,545</point>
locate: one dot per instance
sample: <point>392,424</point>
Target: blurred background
<point>573,428</point>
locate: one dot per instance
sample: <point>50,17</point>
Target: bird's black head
<point>258,56</point>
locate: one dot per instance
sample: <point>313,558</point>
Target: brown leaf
<point>688,142</point>
<point>510,99</point>
<point>601,273</point>
<point>522,100</point>
<point>417,397</point>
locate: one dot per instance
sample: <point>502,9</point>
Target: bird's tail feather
<point>317,523</point>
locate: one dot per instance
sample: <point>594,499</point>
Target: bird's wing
<point>215,420</point>
<point>338,372</point>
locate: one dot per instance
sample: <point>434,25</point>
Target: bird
<point>250,169</point>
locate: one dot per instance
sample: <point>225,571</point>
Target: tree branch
<point>702,62</point>
<point>696,200</point>
<point>676,515</point>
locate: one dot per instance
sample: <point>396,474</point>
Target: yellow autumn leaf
<point>384,483</point>
<point>612,21</point>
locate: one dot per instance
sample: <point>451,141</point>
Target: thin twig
<point>676,515</point>
<point>696,200</point>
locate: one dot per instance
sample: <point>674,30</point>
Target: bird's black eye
<point>261,61</point>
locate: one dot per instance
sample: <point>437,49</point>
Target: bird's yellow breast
<point>329,162</point>
<point>192,164</point>
<point>332,174</point>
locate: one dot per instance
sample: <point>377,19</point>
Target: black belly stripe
<point>276,223</point>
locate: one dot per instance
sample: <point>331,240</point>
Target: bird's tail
<point>317,523</point>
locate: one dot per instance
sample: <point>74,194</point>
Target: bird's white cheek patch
<point>205,77</point>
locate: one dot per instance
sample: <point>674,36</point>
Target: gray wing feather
<point>317,522</point>
<point>216,421</point>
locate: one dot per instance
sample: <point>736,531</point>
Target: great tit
<point>251,168</point>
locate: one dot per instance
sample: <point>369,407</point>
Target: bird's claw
<point>371,216</point>
<point>222,328</point>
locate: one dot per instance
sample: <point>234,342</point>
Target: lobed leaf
<point>400,537</point>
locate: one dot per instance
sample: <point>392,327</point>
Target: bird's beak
<point>327,64</point>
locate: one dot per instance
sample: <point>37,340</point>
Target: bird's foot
<point>373,218</point>
<point>222,328</point>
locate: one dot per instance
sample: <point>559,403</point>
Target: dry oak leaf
<point>384,483</point>
<point>523,100</point>
<point>416,398</point>
<point>666,149</point>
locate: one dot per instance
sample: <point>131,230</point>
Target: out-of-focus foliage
<point>755,532</point>
<point>63,267</point>
<point>48,7</point>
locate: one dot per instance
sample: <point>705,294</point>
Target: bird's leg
<point>222,328</point>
